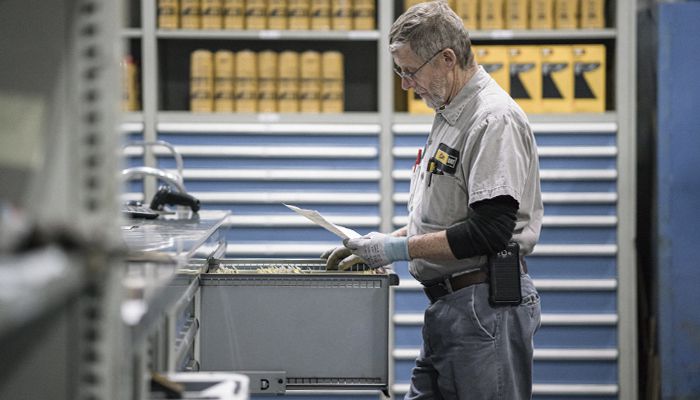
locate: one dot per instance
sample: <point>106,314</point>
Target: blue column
<point>678,199</point>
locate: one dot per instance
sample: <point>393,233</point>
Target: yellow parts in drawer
<point>589,78</point>
<point>525,77</point>
<point>201,81</point>
<point>557,79</point>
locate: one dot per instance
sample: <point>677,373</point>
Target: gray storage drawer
<point>323,330</point>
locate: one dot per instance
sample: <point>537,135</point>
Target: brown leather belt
<point>455,283</point>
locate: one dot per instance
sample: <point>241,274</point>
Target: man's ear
<point>449,57</point>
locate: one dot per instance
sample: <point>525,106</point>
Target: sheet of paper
<point>318,219</point>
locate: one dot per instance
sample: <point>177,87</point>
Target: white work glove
<point>341,258</point>
<point>378,249</point>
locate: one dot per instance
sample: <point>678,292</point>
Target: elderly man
<point>474,197</point>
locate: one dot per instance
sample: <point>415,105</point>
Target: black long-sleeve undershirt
<point>487,230</point>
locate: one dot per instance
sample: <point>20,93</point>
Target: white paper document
<point>318,219</point>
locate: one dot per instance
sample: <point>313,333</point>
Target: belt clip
<point>447,285</point>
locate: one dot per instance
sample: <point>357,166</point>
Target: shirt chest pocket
<point>445,201</point>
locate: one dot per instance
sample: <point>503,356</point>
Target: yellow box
<point>557,79</point>
<point>491,14</point>
<point>341,15</point>
<point>468,10</point>
<point>256,14</point>
<point>130,85</point>
<point>333,83</point>
<point>525,77</point>
<point>288,82</point>
<point>541,14</point>
<point>246,82</point>
<point>592,14</point>
<point>310,86</point>
<point>190,14</point>
<point>212,14</point>
<point>517,14</point>
<point>589,78</point>
<point>201,81</point>
<point>416,105</point>
<point>277,14</point>
<point>267,81</point>
<point>494,59</point>
<point>168,14</point>
<point>566,14</point>
<point>224,64</point>
<point>410,3</point>
<point>234,14</point>
<point>320,15</point>
<point>298,11</point>
<point>363,15</point>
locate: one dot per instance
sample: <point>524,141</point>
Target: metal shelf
<point>269,35</point>
<point>542,34</point>
<point>131,33</point>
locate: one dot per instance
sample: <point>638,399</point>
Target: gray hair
<point>430,27</point>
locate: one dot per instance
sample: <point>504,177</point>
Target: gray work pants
<point>472,350</point>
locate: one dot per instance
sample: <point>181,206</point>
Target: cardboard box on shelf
<point>310,83</point>
<point>494,59</point>
<point>491,14</point>
<point>298,11</point>
<point>589,78</point>
<point>566,14</point>
<point>320,14</point>
<point>234,14</point>
<point>516,14</point>
<point>256,14</point>
<point>525,77</point>
<point>557,79</point>
<point>168,14</point>
<point>363,15</point>
<point>468,10</point>
<point>212,14</point>
<point>288,82</point>
<point>246,82</point>
<point>267,81</point>
<point>201,81</point>
<point>190,14</point>
<point>541,14</point>
<point>277,14</point>
<point>592,14</point>
<point>341,15</point>
<point>333,82</point>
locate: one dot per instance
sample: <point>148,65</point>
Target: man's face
<point>430,82</point>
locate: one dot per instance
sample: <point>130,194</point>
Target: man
<point>475,189</point>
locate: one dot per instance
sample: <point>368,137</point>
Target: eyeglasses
<point>412,75</point>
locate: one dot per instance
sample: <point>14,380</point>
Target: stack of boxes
<point>543,79</point>
<point>266,82</point>
<point>527,14</point>
<point>267,14</point>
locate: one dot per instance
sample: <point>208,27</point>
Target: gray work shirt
<point>485,148</point>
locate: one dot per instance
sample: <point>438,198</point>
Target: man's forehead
<point>404,54</point>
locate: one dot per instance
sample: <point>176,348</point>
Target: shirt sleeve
<point>500,160</point>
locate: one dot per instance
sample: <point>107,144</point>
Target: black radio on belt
<point>504,276</point>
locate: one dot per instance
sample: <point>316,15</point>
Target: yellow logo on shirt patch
<point>447,159</point>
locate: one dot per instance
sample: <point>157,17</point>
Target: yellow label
<point>566,14</point>
<point>592,14</point>
<point>321,14</point>
<point>557,79</point>
<point>589,78</point>
<point>494,59</point>
<point>246,82</point>
<point>468,11</point>
<point>234,14</point>
<point>255,14</point>
<point>341,12</point>
<point>516,14</point>
<point>541,14</point>
<point>190,14</point>
<point>168,14</point>
<point>277,14</point>
<point>525,77</point>
<point>212,14</point>
<point>299,14</point>
<point>224,65</point>
<point>491,14</point>
<point>201,81</point>
<point>363,14</point>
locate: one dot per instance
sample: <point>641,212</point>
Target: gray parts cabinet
<point>320,330</point>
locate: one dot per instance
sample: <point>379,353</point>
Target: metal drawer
<point>320,329</point>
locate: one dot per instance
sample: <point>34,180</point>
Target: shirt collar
<point>453,110</point>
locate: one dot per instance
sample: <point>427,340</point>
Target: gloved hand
<point>341,258</point>
<point>378,249</point>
